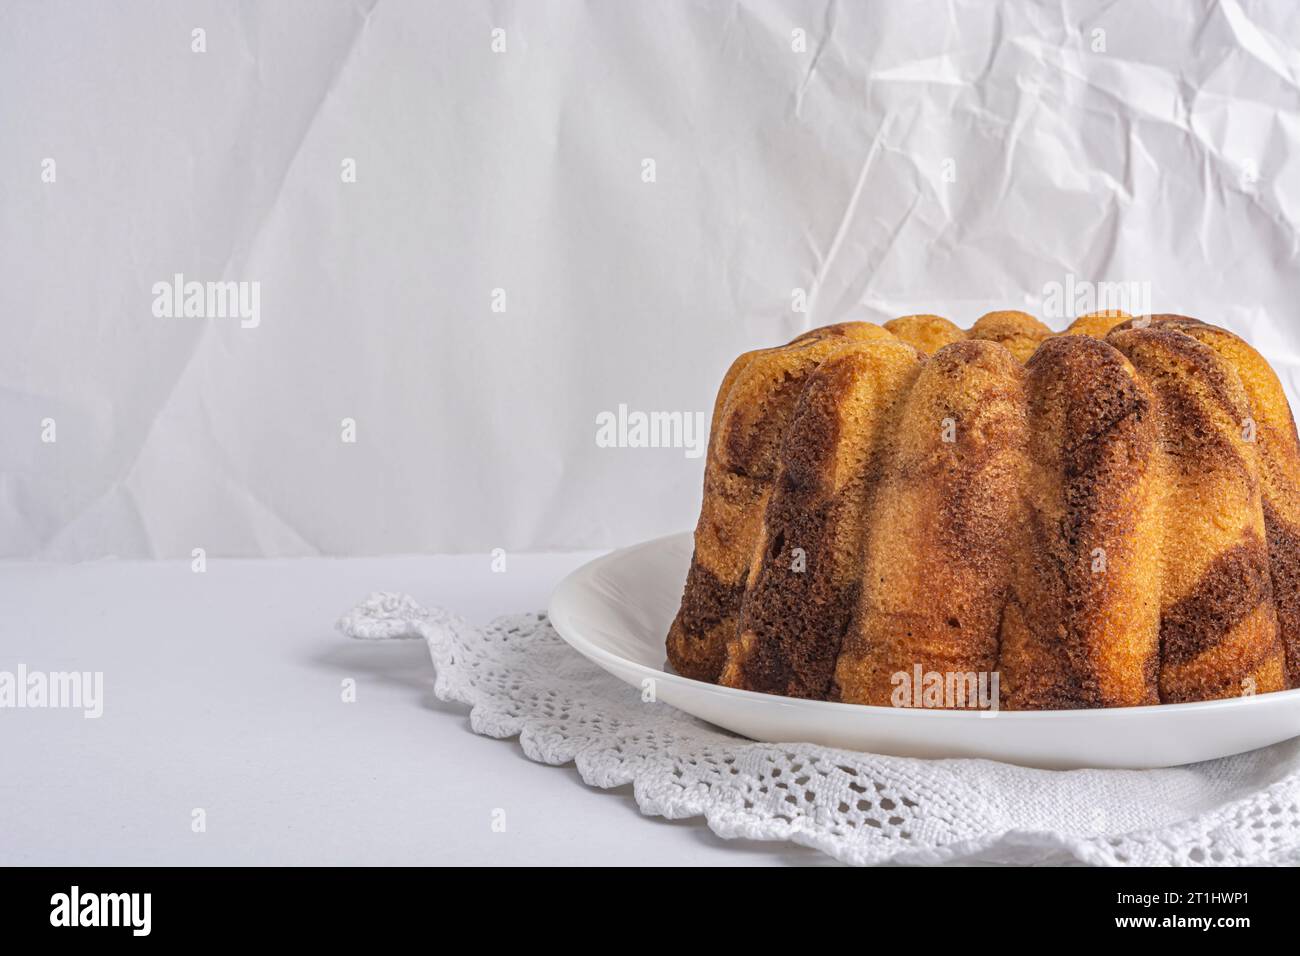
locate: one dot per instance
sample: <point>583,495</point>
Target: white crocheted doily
<point>519,678</point>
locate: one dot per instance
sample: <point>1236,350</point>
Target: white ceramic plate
<point>617,609</point>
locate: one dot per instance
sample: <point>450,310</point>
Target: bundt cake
<point>1101,518</point>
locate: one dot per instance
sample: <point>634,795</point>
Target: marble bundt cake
<point>1101,518</point>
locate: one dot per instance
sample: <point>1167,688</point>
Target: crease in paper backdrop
<point>917,157</point>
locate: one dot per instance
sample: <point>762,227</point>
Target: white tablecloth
<point>222,691</point>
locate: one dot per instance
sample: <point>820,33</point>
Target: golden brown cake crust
<point>753,407</point>
<point>935,570</point>
<point>1116,522</point>
<point>1081,626</point>
<point>1278,451</point>
<point>1097,324</point>
<point>1019,332</point>
<point>1219,634</point>
<point>808,556</point>
<point>926,333</point>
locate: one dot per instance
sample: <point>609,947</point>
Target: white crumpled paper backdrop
<point>908,157</point>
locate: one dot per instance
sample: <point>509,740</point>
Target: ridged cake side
<point>1082,622</point>
<point>1117,522</point>
<point>1218,630</point>
<point>808,555</point>
<point>1278,455</point>
<point>935,568</point>
<point>754,404</point>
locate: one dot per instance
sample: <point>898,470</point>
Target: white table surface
<point>222,691</point>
